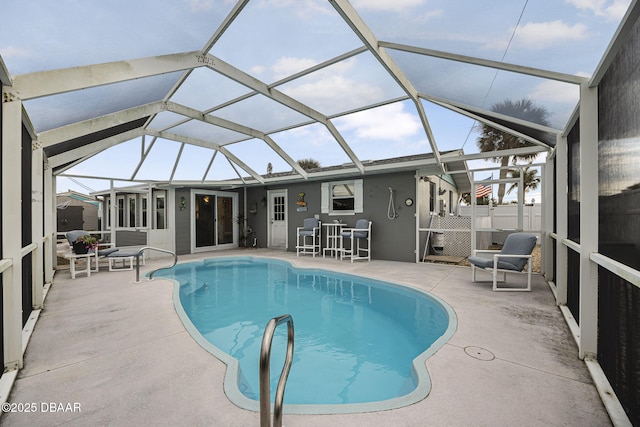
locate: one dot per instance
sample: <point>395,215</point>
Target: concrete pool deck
<point>118,350</point>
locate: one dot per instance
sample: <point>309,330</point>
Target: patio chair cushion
<point>515,244</point>
<point>309,227</point>
<point>362,227</point>
<point>107,251</point>
<point>487,263</point>
<point>123,254</point>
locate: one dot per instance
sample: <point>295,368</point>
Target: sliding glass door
<point>213,225</point>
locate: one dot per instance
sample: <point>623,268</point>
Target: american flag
<point>482,190</point>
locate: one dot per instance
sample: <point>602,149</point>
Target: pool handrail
<point>141,250</point>
<point>265,356</point>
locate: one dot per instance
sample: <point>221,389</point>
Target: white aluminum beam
<point>536,72</point>
<point>12,232</point>
<point>45,83</point>
<point>236,127</point>
<point>75,130</point>
<point>144,152</point>
<point>175,163</point>
<point>629,20</point>
<point>205,144</point>
<point>498,126</point>
<point>446,158</point>
<point>588,301</point>
<point>473,112</point>
<point>92,149</point>
<point>561,220</point>
<point>251,82</point>
<point>37,225</point>
<point>206,172</point>
<point>5,77</point>
<point>231,16</point>
<point>351,17</point>
<point>49,224</point>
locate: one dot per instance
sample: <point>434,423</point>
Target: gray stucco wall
<point>183,222</point>
<point>392,240</point>
<point>130,238</point>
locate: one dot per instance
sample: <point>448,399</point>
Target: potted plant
<point>83,244</point>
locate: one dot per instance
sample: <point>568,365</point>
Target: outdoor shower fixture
<point>391,209</point>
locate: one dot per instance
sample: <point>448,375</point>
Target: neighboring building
<point>77,211</point>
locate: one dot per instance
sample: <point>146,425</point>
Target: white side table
<point>333,240</point>
<point>72,263</point>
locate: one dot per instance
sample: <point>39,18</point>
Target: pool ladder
<point>265,356</point>
<point>141,250</point>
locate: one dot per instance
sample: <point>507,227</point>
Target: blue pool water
<point>355,339</point>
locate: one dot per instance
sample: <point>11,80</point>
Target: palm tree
<point>496,140</point>
<point>307,164</point>
<point>530,179</point>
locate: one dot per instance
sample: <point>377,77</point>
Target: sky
<point>272,40</point>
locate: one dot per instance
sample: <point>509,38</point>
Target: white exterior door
<point>277,219</point>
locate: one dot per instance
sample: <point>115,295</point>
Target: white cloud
<point>429,15</point>
<point>302,8</point>
<point>553,91</point>
<point>386,5</point>
<point>542,34</point>
<point>287,66</point>
<point>613,10</point>
<point>258,69</point>
<point>15,52</point>
<point>322,92</point>
<point>389,122</point>
<point>199,5</point>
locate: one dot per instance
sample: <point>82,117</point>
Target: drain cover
<point>479,353</point>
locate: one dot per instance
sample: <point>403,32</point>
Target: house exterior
<point>590,223</point>
<point>191,219</point>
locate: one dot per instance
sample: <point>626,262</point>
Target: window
<point>432,196</point>
<point>279,205</point>
<point>450,201</point>
<point>144,211</point>
<point>132,210</point>
<point>120,208</point>
<point>108,213</point>
<point>342,197</point>
<point>160,211</point>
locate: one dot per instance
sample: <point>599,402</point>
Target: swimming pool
<point>360,344</point>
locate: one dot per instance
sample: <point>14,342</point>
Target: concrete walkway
<point>108,351</point>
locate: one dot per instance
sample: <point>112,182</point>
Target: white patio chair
<point>101,250</point>
<point>512,258</point>
<point>356,236</point>
<point>309,237</point>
